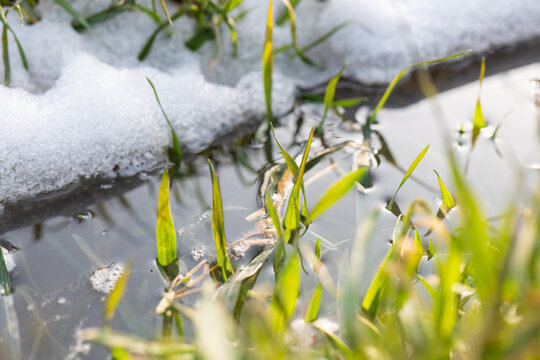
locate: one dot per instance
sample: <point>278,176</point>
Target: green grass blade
<point>176,144</point>
<point>114,299</point>
<point>324,37</point>
<point>329,96</point>
<point>4,21</point>
<point>402,73</point>
<point>5,281</point>
<point>148,45</point>
<point>291,220</point>
<point>291,164</point>
<point>285,15</point>
<point>231,5</point>
<point>5,57</point>
<point>218,227</point>
<point>318,248</point>
<point>478,120</point>
<point>336,191</point>
<point>165,234</point>
<point>447,199</point>
<point>296,46</point>
<point>349,102</point>
<point>409,173</point>
<point>286,294</point>
<point>75,14</point>
<point>164,7</point>
<point>314,304</point>
<point>268,63</point>
<point>271,210</point>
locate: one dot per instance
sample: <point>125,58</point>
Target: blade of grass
<point>285,14</point>
<point>113,300</point>
<point>268,63</point>
<point>148,45</point>
<point>478,120</point>
<point>176,144</point>
<point>291,220</point>
<point>165,234</point>
<point>408,174</point>
<point>292,22</point>
<point>448,201</point>
<point>5,57</point>
<point>285,295</point>
<point>335,192</point>
<point>402,73</point>
<point>4,21</point>
<point>164,7</point>
<point>75,14</point>
<point>314,304</point>
<point>218,227</point>
<point>329,96</point>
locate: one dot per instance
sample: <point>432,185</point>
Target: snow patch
<point>84,108</point>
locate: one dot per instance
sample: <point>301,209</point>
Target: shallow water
<point>58,255</point>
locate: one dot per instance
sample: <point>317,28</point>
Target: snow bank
<point>84,108</point>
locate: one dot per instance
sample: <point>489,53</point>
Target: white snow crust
<point>84,108</point>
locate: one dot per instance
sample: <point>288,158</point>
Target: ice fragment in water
<point>199,252</point>
<point>104,279</point>
<point>8,259</point>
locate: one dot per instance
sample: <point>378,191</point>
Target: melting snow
<point>84,109</point>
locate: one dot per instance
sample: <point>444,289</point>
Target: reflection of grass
<point>480,300</point>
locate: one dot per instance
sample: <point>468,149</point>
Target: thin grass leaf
<point>164,7</point>
<point>335,192</point>
<point>314,304</point>
<point>148,45</point>
<point>292,22</point>
<point>291,220</point>
<point>138,346</point>
<point>402,73</point>
<point>218,227</point>
<point>268,63</point>
<point>176,144</point>
<point>329,96</point>
<point>115,297</point>
<point>430,252</point>
<point>291,164</point>
<point>165,234</point>
<point>447,199</point>
<point>430,289</point>
<point>286,293</point>
<point>285,14</point>
<point>231,5</point>
<point>349,102</point>
<point>75,14</point>
<point>408,174</point>
<point>478,120</point>
<point>5,281</point>
<point>318,248</point>
<point>230,291</point>
<point>5,57</point>
<point>4,21</point>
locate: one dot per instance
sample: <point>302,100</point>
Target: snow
<point>84,108</point>
<point>8,259</point>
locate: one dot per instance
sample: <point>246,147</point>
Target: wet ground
<point>60,247</point>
